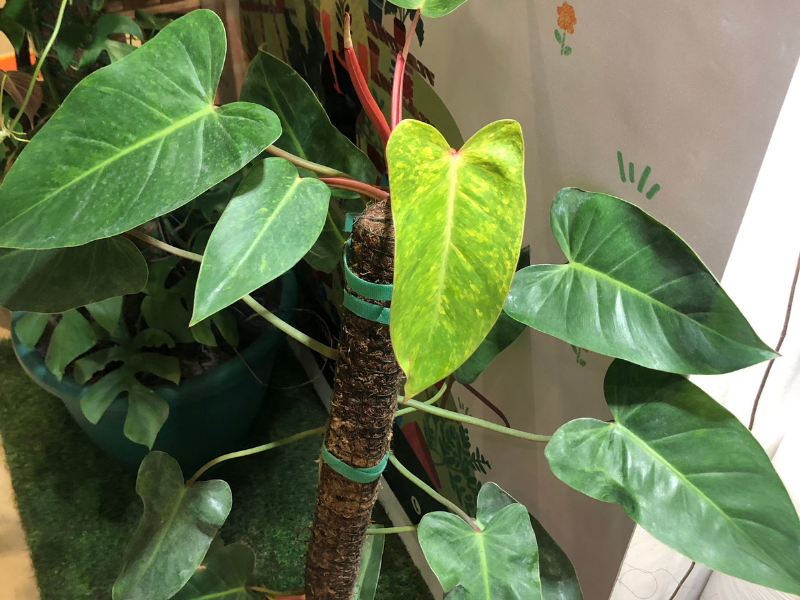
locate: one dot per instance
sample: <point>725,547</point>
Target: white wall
<point>691,89</point>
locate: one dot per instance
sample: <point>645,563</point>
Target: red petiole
<point>367,101</point>
<point>399,74</point>
<point>355,186</point>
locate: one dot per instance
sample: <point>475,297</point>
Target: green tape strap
<point>349,219</point>
<point>367,475</point>
<point>373,291</point>
<point>366,310</point>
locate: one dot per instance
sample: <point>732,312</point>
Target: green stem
<point>263,312</point>
<point>433,400</point>
<point>306,164</point>
<point>295,438</point>
<point>273,593</point>
<point>388,530</point>
<point>40,64</point>
<point>449,414</point>
<point>431,492</point>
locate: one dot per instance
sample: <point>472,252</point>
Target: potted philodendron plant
<point>428,270</point>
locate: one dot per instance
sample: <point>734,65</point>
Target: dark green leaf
<point>634,290</point>
<point>52,281</point>
<point>228,327</point>
<point>152,338</point>
<point>223,576</point>
<point>458,218</point>
<point>107,25</point>
<point>107,312</point>
<point>176,529</point>
<point>202,333</point>
<point>167,367</point>
<point>69,40</point>
<point>147,412</point>
<point>326,252</point>
<point>19,11</point>
<point>500,562</point>
<point>688,472</point>
<point>559,581</point>
<point>269,225</point>
<point>100,395</point>
<point>505,331</point>
<point>151,142</point>
<point>73,336</point>
<point>29,328</point>
<point>307,130</point>
<point>147,20</point>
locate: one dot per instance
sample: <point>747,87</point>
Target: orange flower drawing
<point>566,21</point>
<point>566,18</point>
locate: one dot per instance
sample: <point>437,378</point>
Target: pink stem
<point>355,186</point>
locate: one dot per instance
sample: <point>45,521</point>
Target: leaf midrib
<point>660,458</point>
<point>651,300</point>
<point>209,108</point>
<point>484,563</point>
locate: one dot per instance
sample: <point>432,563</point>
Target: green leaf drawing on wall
<point>52,281</point>
<point>499,562</point>
<point>105,171</point>
<point>430,8</point>
<point>222,576</point>
<point>458,221</point>
<point>272,221</point>
<point>558,577</point>
<point>633,289</point>
<point>687,471</point>
<point>176,529</point>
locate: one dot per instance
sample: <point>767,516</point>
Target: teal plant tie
<point>367,475</point>
<point>373,291</point>
<point>366,310</point>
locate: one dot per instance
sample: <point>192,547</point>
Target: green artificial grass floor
<point>79,507</point>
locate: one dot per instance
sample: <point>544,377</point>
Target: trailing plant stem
<point>40,64</point>
<point>295,438</point>
<point>249,300</point>
<point>454,508</point>
<point>306,164</point>
<point>433,400</point>
<point>388,530</point>
<point>355,186</point>
<point>449,414</point>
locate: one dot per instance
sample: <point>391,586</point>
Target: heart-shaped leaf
<point>559,581</point>
<point>272,221</point>
<point>106,170</point>
<point>307,131</point>
<point>633,289</point>
<point>73,336</point>
<point>176,529</point>
<point>222,576</point>
<point>499,562</point>
<point>431,8</point>
<point>458,219</point>
<point>52,281</point>
<point>688,472</point>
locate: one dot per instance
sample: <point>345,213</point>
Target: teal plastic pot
<point>209,415</point>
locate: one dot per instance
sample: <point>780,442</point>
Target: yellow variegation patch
<point>458,219</point>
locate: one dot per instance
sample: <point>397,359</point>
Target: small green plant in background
<point>681,465</point>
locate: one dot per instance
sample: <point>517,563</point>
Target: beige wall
<point>692,90</point>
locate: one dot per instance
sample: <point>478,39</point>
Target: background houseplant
<point>631,289</point>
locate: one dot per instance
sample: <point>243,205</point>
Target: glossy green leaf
<point>431,8</point>
<point>500,562</point>
<point>272,221</point>
<point>73,336</point>
<point>222,576</point>
<point>370,569</point>
<point>147,413</point>
<point>176,529</point>
<point>326,252</point>
<point>107,312</point>
<point>100,395</point>
<point>107,25</point>
<point>307,131</point>
<point>104,171</point>
<point>633,289</point>
<point>688,472</point>
<point>30,327</point>
<point>52,281</point>
<point>558,578</point>
<point>13,30</point>
<point>458,219</point>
